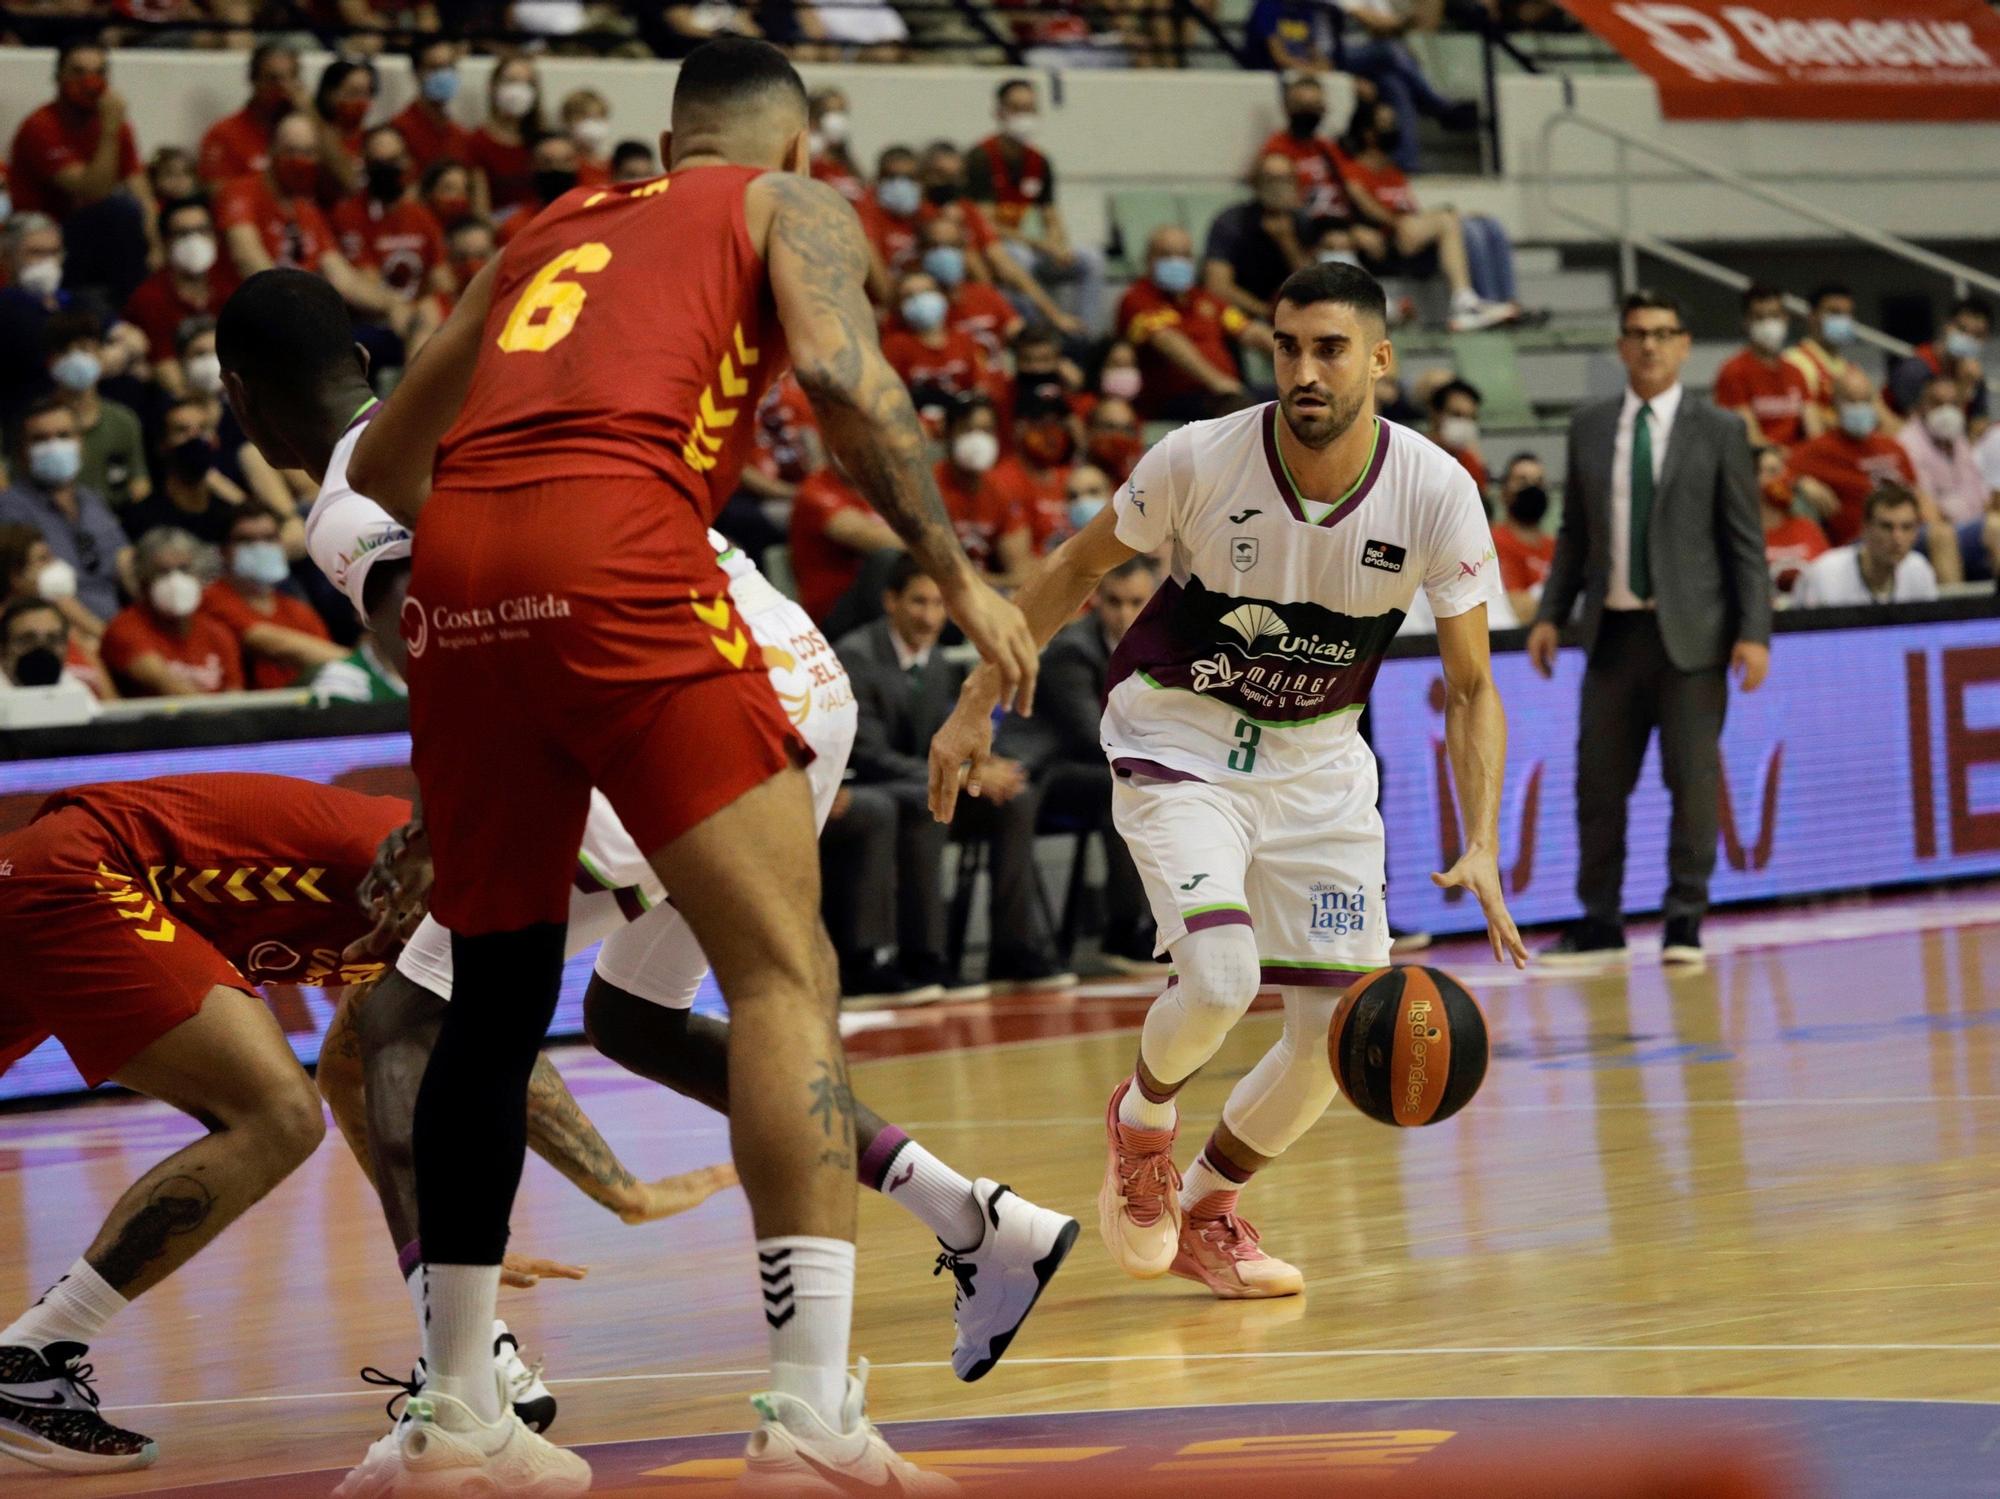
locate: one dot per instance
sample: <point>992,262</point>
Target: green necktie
<point>1638,564</point>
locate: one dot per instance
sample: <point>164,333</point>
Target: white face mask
<point>975,452</point>
<point>43,278</point>
<point>1020,127</point>
<point>193,254</point>
<point>1946,423</point>
<point>176,594</point>
<point>833,128</point>
<point>56,582</point>
<point>591,135</point>
<point>1459,432</point>
<point>204,373</point>
<point>1768,333</point>
<point>514,99</point>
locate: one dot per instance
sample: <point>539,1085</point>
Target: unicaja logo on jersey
<point>1265,633</point>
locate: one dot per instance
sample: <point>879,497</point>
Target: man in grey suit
<point>1662,540</point>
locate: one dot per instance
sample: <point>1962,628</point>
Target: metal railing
<point>1632,240</point>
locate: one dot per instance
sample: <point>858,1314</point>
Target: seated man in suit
<point>906,690</point>
<point>1065,753</point>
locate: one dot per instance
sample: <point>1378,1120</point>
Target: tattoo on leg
<point>178,1205</point>
<point>833,1102</point>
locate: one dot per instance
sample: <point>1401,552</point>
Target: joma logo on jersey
<point>1265,633</point>
<point>1336,912</point>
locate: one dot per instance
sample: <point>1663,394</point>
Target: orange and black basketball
<point>1408,1045</point>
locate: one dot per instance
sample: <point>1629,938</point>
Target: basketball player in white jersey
<point>1300,533</point>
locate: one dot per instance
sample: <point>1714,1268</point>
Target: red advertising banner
<point>1905,60</point>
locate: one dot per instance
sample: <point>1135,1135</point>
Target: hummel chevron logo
<point>778,1295</point>
<point>1193,882</point>
<point>1237,520</point>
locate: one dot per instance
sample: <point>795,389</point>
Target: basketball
<point>1408,1045</point>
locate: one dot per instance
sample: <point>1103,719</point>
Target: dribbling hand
<point>1000,633</point>
<point>1479,872</point>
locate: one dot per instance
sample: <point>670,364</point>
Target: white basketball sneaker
<point>442,1448</point>
<point>793,1452</point>
<point>377,1473</point>
<point>530,1398</point>
<point>1000,1281</point>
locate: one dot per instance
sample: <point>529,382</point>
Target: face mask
<point>1120,382</point>
<point>590,134</point>
<point>1083,509</point>
<point>175,594</point>
<point>1962,345</point>
<point>946,263</point>
<point>1768,334</point>
<point>1174,274</point>
<point>43,278</point>
<point>297,175</point>
<point>514,99</point>
<point>1778,493</point>
<point>1339,257</point>
<point>204,373</point>
<point>349,113</point>
<point>450,208</point>
<point>1020,127</point>
<point>56,582</point>
<point>1946,423</point>
<point>77,370</point>
<point>833,128</point>
<point>1115,453</point>
<point>260,562</point>
<point>1458,432</point>
<point>975,452</point>
<point>37,667</point>
<point>193,254</point>
<point>925,311</point>
<point>1304,122</point>
<point>899,196</point>
<point>192,459</point>
<point>1857,418</point>
<point>84,92</point>
<point>56,461</point>
<point>942,194</point>
<point>1837,328</point>
<point>551,184</point>
<point>1048,443</point>
<point>441,87</point>
<point>1529,505</point>
<point>385,181</point>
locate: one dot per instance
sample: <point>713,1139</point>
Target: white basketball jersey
<point>1256,655</point>
<point>348,533</point>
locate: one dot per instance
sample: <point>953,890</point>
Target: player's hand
<point>396,892</point>
<point>1002,780</point>
<point>523,1270</point>
<point>1543,641</point>
<point>647,1202</point>
<point>959,752</point>
<point>1479,872</point>
<point>1751,662</point>
<point>1000,632</point>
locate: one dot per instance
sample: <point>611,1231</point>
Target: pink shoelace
<point>1229,1235</point>
<point>1144,1180</point>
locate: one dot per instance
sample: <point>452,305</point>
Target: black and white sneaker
<point>1000,1281</point>
<point>1585,944</point>
<point>1680,943</point>
<point>48,1414</point>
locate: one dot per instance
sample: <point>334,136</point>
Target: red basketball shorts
<point>565,635</point>
<point>92,958</point>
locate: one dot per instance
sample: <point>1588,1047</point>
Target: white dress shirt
<point>1833,579</point>
<point>905,657</point>
<point>1666,405</point>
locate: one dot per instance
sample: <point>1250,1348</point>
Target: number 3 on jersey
<point>561,301</point>
<point>1244,756</point>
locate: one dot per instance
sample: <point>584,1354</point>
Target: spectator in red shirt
<point>195,280</point>
<point>833,532</point>
<point>786,446</point>
<point>1758,383</point>
<point>831,162</point>
<point>342,103</point>
<point>428,128</point>
<point>239,144</point>
<point>1045,450</point>
<point>1790,540</point>
<point>447,189</point>
<point>504,147</point>
<point>171,175</point>
<point>1186,337</point>
<point>1523,548</point>
<point>164,645</point>
<point>1017,181</point>
<point>974,307</point>
<point>273,219</point>
<point>469,245</point>
<point>942,173</point>
<point>889,217</point>
<point>989,506</point>
<point>923,350</point>
<point>76,160</point>
<point>1320,165</point>
<point>586,116</point>
<point>1111,438</point>
<point>1455,428</point>
<point>279,637</point>
<point>1819,356</point>
<point>385,226</point>
<point>1850,460</point>
<point>556,172</point>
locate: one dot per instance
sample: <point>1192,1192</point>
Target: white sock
<point>921,1184</point>
<point>458,1334</point>
<point>1137,1111</point>
<point>808,1286</point>
<point>1202,1180</point>
<point>73,1310</point>
<point>414,1284</point>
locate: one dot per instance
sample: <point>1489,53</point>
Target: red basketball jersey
<point>632,333</point>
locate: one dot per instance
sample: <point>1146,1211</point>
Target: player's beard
<point>1320,427</point>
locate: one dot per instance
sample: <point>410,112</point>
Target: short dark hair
<point>1457,387</point>
<point>470,221</point>
<point>1524,456</point>
<point>1977,306</point>
<point>624,151</point>
<point>334,75</point>
<point>1887,496</point>
<point>731,71</point>
<point>1037,335</point>
<point>1645,299</point>
<point>1760,291</point>
<point>195,403</point>
<point>425,44</point>
<point>902,573</point>
<point>385,128</point>
<point>65,328</point>
<point>1335,281</point>
<point>888,153</point>
<point>85,42</point>
<point>286,331</point>
<point>965,408</point>
<point>1143,563</point>
<point>182,205</point>
<point>263,52</point>
<point>1008,85</point>
<point>1828,289</point>
<point>191,328</point>
<point>251,509</point>
<point>28,603</point>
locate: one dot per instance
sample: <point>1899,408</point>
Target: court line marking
<point>1275,1355</point>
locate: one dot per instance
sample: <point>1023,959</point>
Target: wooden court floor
<point>1774,1178</point>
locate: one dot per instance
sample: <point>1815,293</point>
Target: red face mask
<point>450,208</point>
<point>1115,453</point>
<point>1048,443</point>
<point>297,175</point>
<point>84,92</point>
<point>272,98</point>
<point>349,113</point>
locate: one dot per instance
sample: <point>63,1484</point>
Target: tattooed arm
<point>818,259</point>
<point>560,1133</point>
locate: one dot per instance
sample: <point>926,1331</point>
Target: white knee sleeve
<point>1216,980</point>
<point>1284,1095</point>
